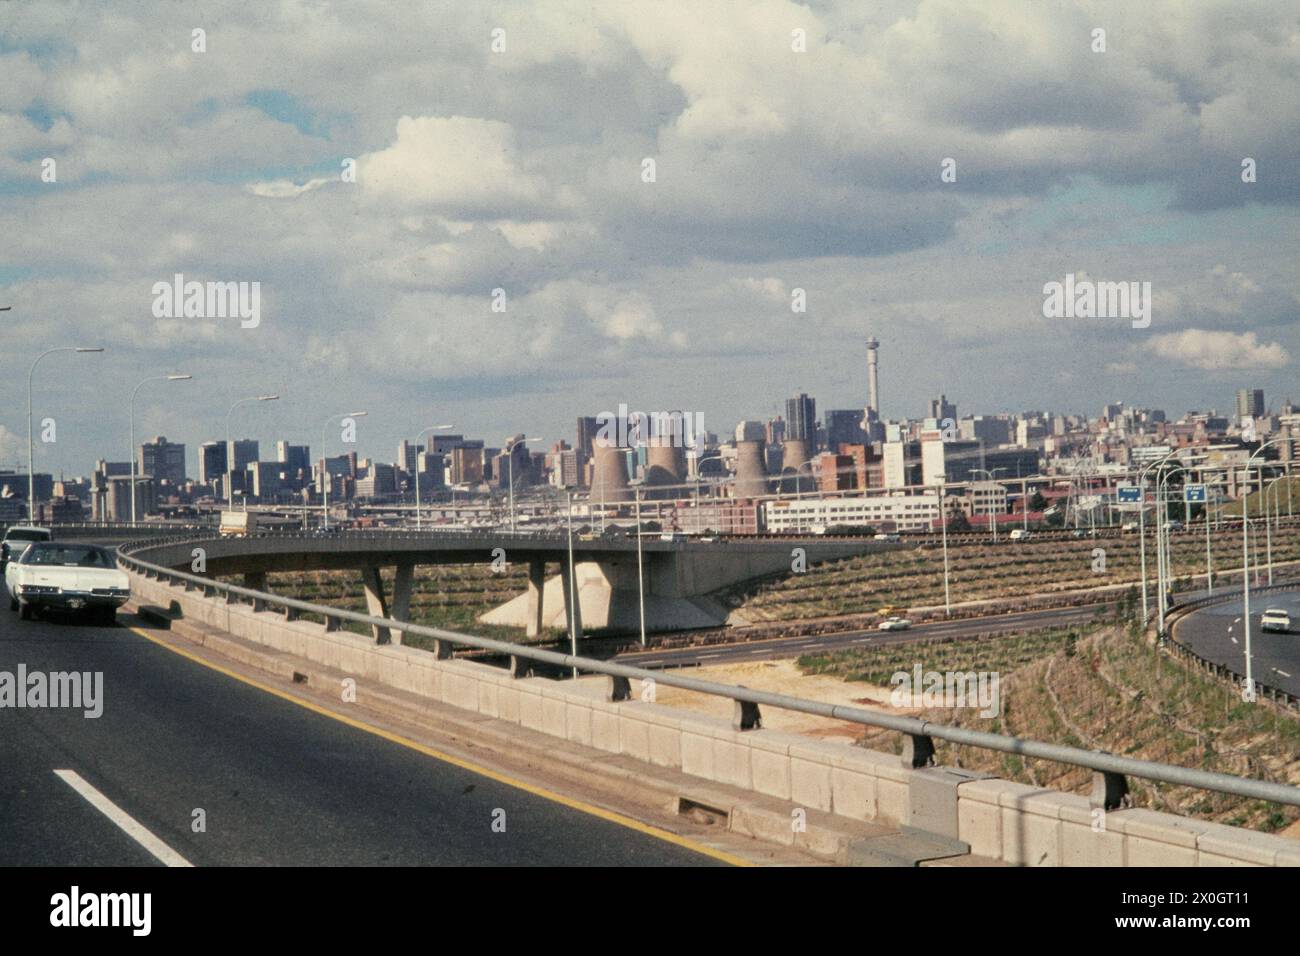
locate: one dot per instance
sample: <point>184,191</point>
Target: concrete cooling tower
<point>796,472</point>
<point>751,471</point>
<point>609,474</point>
<point>665,467</point>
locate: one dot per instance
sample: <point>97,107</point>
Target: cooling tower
<point>609,474</point>
<point>751,471</point>
<point>796,471</point>
<point>665,468</point>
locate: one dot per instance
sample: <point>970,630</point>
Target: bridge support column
<point>572,615</point>
<point>255,580</point>
<point>401,607</point>
<point>375,604</point>
<point>536,585</point>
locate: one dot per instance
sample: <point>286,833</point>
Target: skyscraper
<point>162,460</point>
<point>1250,403</point>
<point>801,419</point>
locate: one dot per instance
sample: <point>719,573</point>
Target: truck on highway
<point>237,524</point>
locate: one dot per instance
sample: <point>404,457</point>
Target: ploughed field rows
<point>914,578</point>
<point>1107,690</point>
<point>445,595</point>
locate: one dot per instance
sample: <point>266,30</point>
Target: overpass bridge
<point>680,578</point>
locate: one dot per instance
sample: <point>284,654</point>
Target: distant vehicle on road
<point>894,624</point>
<point>888,536</point>
<point>237,523</point>
<point>1020,534</point>
<point>66,576</point>
<point>1175,525</point>
<point>1129,526</point>
<point>17,539</point>
<point>1277,620</point>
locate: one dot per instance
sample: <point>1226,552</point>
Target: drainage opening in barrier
<point>703,813</point>
<point>299,677</point>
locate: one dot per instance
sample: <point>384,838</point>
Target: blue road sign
<point>1194,494</point>
<point>1129,494</point>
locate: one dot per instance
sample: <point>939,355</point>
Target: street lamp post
<point>1245,564</point>
<point>159,378</point>
<point>325,467</point>
<point>943,525</point>
<point>573,608</point>
<point>31,455</point>
<point>699,461</point>
<point>1142,529</point>
<point>230,451</point>
<point>640,567</point>
<point>431,428</point>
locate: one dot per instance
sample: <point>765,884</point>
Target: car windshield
<point>22,534</point>
<point>68,555</point>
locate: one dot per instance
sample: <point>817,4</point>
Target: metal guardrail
<point>1109,784</point>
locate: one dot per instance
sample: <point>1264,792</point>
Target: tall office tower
<point>212,462</point>
<point>801,418</point>
<point>243,452</point>
<point>295,465</point>
<point>873,381</point>
<point>408,455</point>
<point>1250,403</point>
<point>588,427</point>
<point>162,460</point>
<point>941,408</point>
<point>844,427</point>
<point>775,431</point>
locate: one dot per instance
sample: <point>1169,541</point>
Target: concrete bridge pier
<point>536,586</point>
<point>567,583</point>
<point>255,580</point>
<point>377,605</point>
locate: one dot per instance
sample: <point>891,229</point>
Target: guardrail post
<point>231,598</point>
<point>918,751</point>
<point>520,666</point>
<point>332,623</point>
<point>1109,790</point>
<point>441,649</point>
<point>258,605</point>
<point>619,688</point>
<point>290,613</point>
<point>745,716</point>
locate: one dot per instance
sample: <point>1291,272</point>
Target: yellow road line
<point>542,792</point>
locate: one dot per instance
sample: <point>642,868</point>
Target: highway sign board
<point>1129,494</point>
<point>1194,494</point>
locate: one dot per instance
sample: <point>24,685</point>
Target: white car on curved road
<point>67,576</point>
<point>1275,619</point>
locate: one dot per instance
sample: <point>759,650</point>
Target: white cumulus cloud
<point>1200,348</point>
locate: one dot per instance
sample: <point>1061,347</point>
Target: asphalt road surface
<point>278,784</point>
<point>1217,634</point>
<point>787,647</point>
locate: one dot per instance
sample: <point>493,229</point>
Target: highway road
<point>787,647</point>
<point>1216,633</point>
<point>278,784</point>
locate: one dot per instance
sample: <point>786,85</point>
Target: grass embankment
<point>1100,688</point>
<point>914,578</point>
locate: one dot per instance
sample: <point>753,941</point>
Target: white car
<point>16,541</point>
<point>1275,619</point>
<point>67,576</point>
<point>894,624</point>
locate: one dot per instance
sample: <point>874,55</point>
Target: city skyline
<point>381,203</point>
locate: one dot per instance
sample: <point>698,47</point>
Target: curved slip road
<point>279,784</point>
<point>1216,633</point>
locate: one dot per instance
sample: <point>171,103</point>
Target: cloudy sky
<point>503,145</point>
